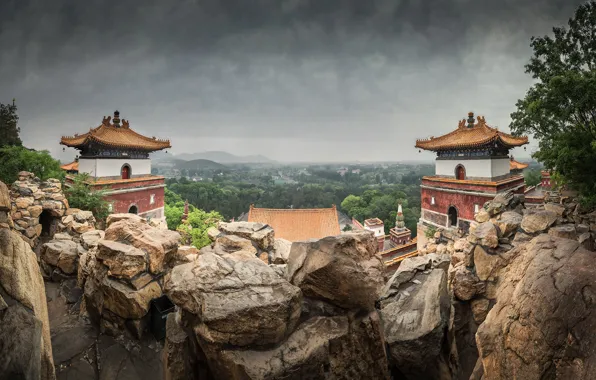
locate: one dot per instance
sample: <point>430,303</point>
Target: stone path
<point>82,353</point>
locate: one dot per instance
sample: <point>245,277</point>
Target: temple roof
<point>111,134</point>
<point>373,222</point>
<point>72,166</point>
<point>471,135</point>
<point>516,165</point>
<point>298,224</point>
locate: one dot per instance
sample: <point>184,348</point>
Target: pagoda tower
<point>117,161</point>
<point>399,234</point>
<point>471,167</point>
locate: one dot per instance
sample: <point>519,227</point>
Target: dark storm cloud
<point>284,78</point>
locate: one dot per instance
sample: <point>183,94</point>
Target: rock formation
<point>544,322</point>
<point>247,319</point>
<point>415,310</point>
<point>25,345</point>
<point>123,272</point>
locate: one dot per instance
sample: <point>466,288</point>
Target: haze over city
<point>293,80</point>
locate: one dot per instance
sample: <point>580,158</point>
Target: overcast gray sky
<point>293,80</point>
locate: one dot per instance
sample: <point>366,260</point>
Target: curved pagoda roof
<point>112,134</point>
<point>471,135</point>
<point>516,165</point>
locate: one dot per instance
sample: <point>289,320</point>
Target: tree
<point>197,224</point>
<point>560,108</point>
<point>532,177</point>
<point>17,158</point>
<point>81,195</point>
<point>9,130</point>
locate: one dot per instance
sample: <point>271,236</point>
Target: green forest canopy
<point>560,108</point>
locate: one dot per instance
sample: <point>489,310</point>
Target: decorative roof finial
<point>116,120</point>
<point>470,119</point>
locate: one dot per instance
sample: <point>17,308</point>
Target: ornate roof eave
<point>92,139</point>
<point>493,136</point>
<point>141,143</point>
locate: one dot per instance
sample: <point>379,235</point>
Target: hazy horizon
<point>293,80</point>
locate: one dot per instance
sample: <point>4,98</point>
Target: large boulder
<point>415,310</point>
<point>281,251</point>
<point>509,222</point>
<point>342,270</point>
<point>465,284</point>
<point>124,261</point>
<point>260,233</point>
<point>321,348</point>
<point>62,254</point>
<point>157,243</point>
<point>237,300</point>
<point>127,302</point>
<point>25,345</point>
<point>543,324</point>
<point>485,234</point>
<point>90,239</point>
<point>535,221</point>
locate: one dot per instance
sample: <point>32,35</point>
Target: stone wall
<point>36,206</point>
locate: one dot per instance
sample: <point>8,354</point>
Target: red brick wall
<point>140,198</point>
<point>463,202</point>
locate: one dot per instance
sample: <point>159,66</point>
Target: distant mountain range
<point>216,156</point>
<point>199,164</point>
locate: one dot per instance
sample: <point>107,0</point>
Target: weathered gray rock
<point>176,363</point>
<point>488,265</point>
<point>322,347</point>
<point>260,233</point>
<point>91,238</point>
<point>566,231</point>
<point>184,254</point>
<point>232,243</point>
<point>482,216</point>
<point>543,324</point>
<point>281,251</point>
<point>485,234</point>
<point>113,218</point>
<point>123,261</point>
<point>62,254</point>
<point>509,222</point>
<point>25,345</point>
<point>586,241</point>
<point>343,270</point>
<point>479,308</point>
<point>415,317</point>
<point>557,209</point>
<point>499,203</point>
<point>157,243</point>
<point>4,198</point>
<point>20,348</point>
<point>465,284</point>
<point>62,236</point>
<point>238,300</point>
<point>538,220</point>
<point>126,302</point>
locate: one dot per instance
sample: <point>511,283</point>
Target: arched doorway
<point>133,209</point>
<point>125,171</point>
<point>452,214</point>
<point>47,221</point>
<point>460,172</point>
